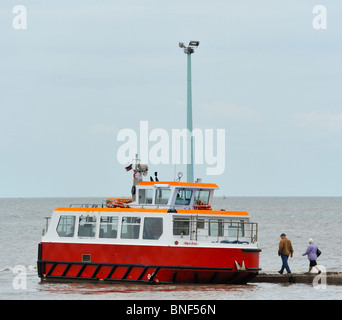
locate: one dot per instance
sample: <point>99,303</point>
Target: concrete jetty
<point>330,278</point>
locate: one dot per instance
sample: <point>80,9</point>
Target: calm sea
<point>301,218</point>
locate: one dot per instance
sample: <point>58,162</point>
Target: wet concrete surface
<point>330,278</point>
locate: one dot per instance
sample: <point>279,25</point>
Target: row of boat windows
<point>130,227</point>
<point>162,196</point>
<point>152,227</point>
<point>215,227</point>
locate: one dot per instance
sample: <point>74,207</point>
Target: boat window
<point>130,227</point>
<point>145,196</point>
<point>109,227</point>
<point>87,226</point>
<point>216,227</point>
<point>202,196</point>
<point>66,226</point>
<point>181,226</point>
<point>183,196</point>
<point>153,228</point>
<point>200,223</point>
<point>236,228</point>
<point>162,196</point>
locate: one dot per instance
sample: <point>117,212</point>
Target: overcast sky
<point>84,70</point>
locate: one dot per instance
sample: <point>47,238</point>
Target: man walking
<point>285,250</point>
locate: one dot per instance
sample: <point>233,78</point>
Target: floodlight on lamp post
<point>188,50</point>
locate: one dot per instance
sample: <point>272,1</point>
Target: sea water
<point>301,218</point>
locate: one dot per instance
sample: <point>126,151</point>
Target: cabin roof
<point>180,184</point>
<point>155,210</point>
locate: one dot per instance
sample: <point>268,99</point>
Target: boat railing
<point>217,230</point>
<point>47,222</point>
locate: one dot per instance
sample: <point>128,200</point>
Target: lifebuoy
<point>118,204</point>
<point>200,205</point>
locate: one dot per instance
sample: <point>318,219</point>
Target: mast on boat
<point>140,170</point>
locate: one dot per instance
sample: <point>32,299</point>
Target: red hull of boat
<point>151,264</point>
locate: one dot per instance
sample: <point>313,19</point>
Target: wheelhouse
<point>174,195</point>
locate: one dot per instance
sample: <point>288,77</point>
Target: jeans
<point>285,264</point>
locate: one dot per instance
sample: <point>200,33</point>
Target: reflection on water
<point>133,291</point>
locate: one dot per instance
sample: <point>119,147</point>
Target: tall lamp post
<point>188,50</point>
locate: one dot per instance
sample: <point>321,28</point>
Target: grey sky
<point>84,70</point>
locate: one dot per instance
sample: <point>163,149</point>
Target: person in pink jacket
<point>311,251</point>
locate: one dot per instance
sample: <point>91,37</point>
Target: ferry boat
<point>166,233</point>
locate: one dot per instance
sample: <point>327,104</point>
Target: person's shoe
<point>319,271</point>
<point>280,272</point>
